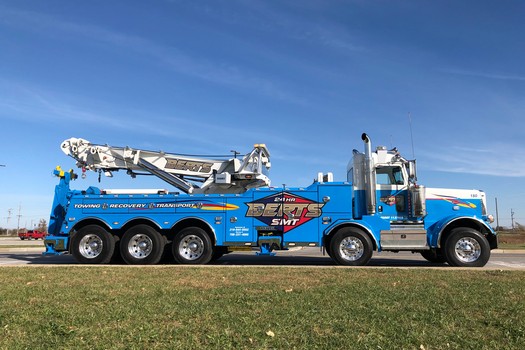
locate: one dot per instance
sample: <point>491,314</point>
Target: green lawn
<point>177,307</point>
<point>511,240</point>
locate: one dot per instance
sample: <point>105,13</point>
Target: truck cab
<point>405,216</point>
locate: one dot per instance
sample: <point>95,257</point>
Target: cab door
<point>392,193</point>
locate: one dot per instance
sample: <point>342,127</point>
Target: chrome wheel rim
<point>351,248</point>
<point>90,246</point>
<point>191,247</point>
<point>140,246</point>
<point>468,249</point>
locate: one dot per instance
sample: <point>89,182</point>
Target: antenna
<point>411,135</point>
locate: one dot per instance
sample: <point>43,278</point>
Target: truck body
<point>32,234</point>
<point>379,207</point>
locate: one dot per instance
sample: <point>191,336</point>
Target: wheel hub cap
<point>90,246</point>
<point>468,249</point>
<point>140,246</point>
<point>351,248</point>
<point>191,247</point>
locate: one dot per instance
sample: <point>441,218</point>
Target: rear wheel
<point>351,246</point>
<point>141,244</point>
<point>219,252</point>
<point>192,245</point>
<point>92,244</point>
<point>466,247</point>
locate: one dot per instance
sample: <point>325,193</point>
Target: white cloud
<point>496,159</point>
<point>224,73</point>
<point>485,75</point>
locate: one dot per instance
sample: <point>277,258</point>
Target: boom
<point>184,172</point>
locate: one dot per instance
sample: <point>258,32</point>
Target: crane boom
<point>187,173</point>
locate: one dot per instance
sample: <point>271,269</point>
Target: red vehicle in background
<point>32,234</point>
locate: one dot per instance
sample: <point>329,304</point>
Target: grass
<point>511,240</point>
<point>176,307</point>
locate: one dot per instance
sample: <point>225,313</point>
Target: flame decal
<point>457,201</point>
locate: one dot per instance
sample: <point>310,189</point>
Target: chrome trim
<point>370,181</point>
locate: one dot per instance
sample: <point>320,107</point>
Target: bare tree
<point>42,225</point>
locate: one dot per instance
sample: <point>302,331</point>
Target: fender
<point>89,218</point>
<point>351,223</point>
<point>442,225</point>
<point>200,219</point>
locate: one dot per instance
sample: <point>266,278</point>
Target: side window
<point>382,177</point>
<point>389,175</point>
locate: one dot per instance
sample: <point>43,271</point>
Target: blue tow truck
<point>220,206</point>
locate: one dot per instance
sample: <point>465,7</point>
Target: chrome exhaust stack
<point>370,176</point>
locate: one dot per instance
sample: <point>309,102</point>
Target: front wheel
<point>466,247</point>
<point>192,245</point>
<point>141,244</point>
<point>92,245</point>
<point>351,247</point>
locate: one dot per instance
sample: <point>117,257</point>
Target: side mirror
<point>412,171</point>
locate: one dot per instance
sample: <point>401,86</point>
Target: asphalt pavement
<point>30,253</point>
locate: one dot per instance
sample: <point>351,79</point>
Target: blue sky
<point>304,77</point>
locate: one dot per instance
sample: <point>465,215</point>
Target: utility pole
<point>512,217</point>
<point>9,211</point>
<point>497,215</point>
<point>19,216</point>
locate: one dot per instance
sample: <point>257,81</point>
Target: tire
<point>116,258</point>
<point>22,238</point>
<point>142,245</point>
<point>92,245</point>
<point>351,247</point>
<point>192,245</point>
<point>219,252</point>
<point>434,256</point>
<point>466,247</point>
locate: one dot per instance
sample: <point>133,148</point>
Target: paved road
<point>10,241</point>
<point>303,257</point>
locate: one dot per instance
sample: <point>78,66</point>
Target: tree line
<point>41,226</point>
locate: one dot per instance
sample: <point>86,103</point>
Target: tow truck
<point>220,206</point>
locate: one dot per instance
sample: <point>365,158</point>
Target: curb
<point>22,250</point>
<point>508,251</point>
